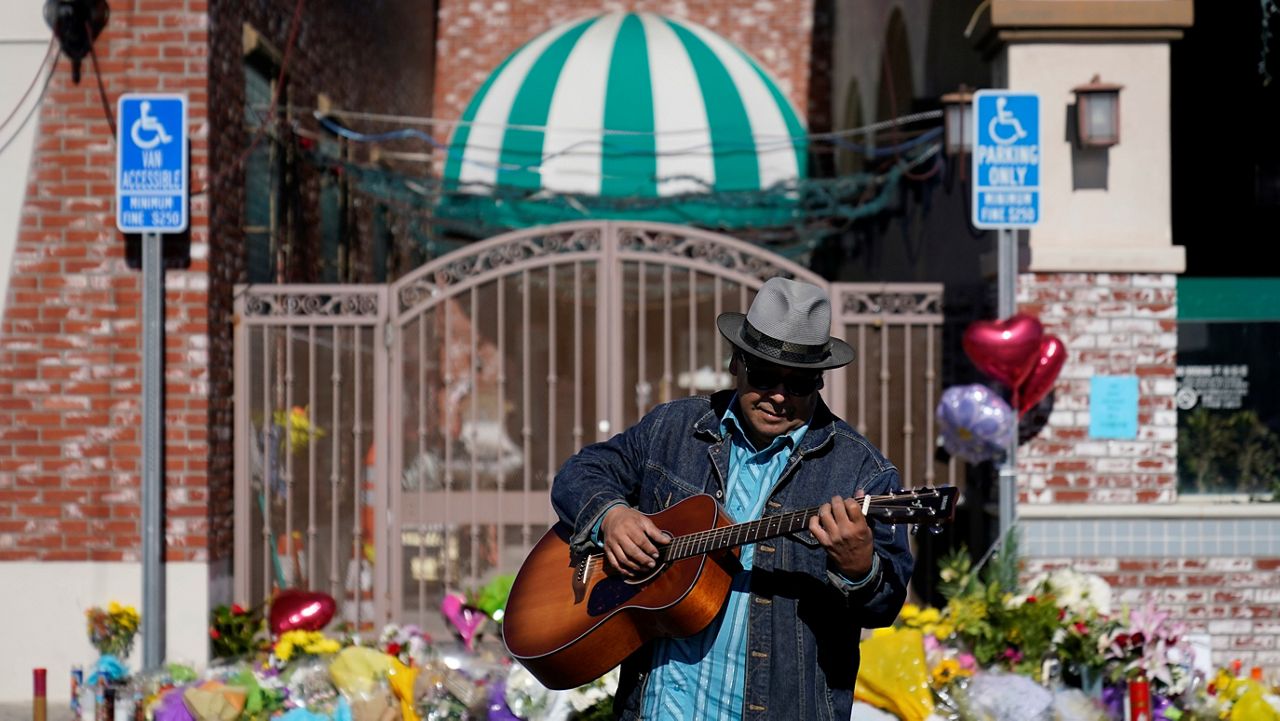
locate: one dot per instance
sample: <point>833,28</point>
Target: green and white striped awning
<point>628,106</point>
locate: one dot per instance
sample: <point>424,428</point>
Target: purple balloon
<point>976,423</point>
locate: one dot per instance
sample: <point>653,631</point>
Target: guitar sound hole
<point>641,580</point>
<point>656,569</point>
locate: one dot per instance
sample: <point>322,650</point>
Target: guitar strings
<point>713,539</point>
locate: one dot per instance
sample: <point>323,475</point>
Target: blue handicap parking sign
<point>151,163</point>
<point>1006,159</point>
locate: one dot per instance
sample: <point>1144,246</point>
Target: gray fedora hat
<point>789,324</point>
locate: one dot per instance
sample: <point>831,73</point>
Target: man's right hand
<point>630,540</point>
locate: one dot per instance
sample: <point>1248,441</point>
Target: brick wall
<point>70,351</point>
<point>1110,324</point>
<point>775,33</point>
<point>1234,599</point>
<point>1126,324</point>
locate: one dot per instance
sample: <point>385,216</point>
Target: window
<point>1228,394</point>
<point>265,164</point>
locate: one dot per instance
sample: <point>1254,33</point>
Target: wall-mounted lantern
<point>1098,113</point>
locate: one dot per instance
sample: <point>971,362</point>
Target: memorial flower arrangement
<point>1001,622</point>
<point>235,631</point>
<point>112,630</point>
<point>292,644</point>
<point>1150,642</point>
<point>1006,647</point>
<point>406,643</point>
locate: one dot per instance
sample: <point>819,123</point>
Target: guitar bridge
<point>580,573</point>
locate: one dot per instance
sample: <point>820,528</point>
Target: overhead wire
<point>430,121</point>
<point>604,147</point>
<point>35,107</point>
<point>102,91</point>
<point>50,53</point>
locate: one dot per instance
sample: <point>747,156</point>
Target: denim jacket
<point>804,625</point>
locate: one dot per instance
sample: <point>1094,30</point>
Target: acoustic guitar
<point>570,619</point>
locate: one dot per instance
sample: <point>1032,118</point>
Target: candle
<point>39,705</point>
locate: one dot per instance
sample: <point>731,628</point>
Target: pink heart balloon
<point>296,610</point>
<point>1043,374</point>
<point>1004,349</point>
<point>466,620</point>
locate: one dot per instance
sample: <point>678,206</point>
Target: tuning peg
<point>935,529</point>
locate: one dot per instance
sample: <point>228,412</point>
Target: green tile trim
<point>1229,299</point>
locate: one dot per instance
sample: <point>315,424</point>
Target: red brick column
<point>1111,324</point>
<point>70,353</point>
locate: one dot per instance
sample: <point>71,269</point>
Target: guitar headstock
<point>929,507</point>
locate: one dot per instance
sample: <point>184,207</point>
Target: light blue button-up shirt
<point>703,676</point>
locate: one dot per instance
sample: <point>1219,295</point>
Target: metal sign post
<point>1006,196</point>
<point>151,198</point>
<point>153,580</point>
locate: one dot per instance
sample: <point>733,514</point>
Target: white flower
<point>588,695</point>
<point>1077,592</point>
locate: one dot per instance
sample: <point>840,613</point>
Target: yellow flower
<point>309,642</point>
<point>322,646</point>
<point>909,612</point>
<point>946,670</point>
<point>929,615</point>
<point>298,425</point>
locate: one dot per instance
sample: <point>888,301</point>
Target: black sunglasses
<point>797,384</point>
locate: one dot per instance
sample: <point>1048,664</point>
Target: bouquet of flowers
<point>235,631</point>
<point>1147,641</point>
<point>297,644</point>
<point>409,644</point>
<point>112,631</point>
<point>1000,622</point>
<point>297,425</point>
<point>1085,627</point>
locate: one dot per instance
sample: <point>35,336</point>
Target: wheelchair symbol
<point>1012,128</point>
<point>147,123</point>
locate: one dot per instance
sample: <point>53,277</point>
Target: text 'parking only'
<point>1006,159</point>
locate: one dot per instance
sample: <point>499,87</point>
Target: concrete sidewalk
<point>20,711</point>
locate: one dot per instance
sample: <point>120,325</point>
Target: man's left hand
<point>842,529</point>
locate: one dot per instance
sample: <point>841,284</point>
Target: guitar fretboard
<point>715,539</point>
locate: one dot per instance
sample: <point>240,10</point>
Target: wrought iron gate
<point>395,443</point>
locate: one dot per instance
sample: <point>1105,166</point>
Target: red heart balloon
<point>297,610</point>
<point>1004,349</point>
<point>1043,374</point>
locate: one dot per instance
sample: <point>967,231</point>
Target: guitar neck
<point>739,534</point>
